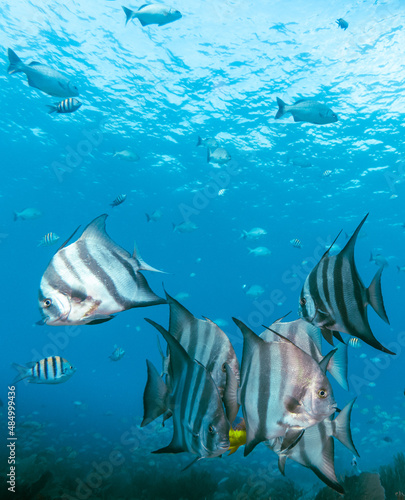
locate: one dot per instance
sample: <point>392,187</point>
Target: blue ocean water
<point>153,90</point>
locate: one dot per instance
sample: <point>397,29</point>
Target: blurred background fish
<point>118,200</point>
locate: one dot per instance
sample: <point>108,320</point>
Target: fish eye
<point>322,393</point>
<point>211,429</point>
<point>47,302</point>
<point>223,368</point>
<point>303,301</point>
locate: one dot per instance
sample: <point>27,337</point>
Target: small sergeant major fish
<point>334,297</point>
<point>66,106</point>
<point>52,370</point>
<point>296,243</point>
<point>42,77</point>
<point>118,200</point>
<point>355,343</point>
<point>48,239</point>
<point>117,354</point>
<point>327,173</point>
<point>307,110</point>
<point>152,13</point>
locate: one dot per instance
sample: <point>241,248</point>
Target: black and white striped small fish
<point>52,370</point>
<point>334,297</point>
<point>118,200</point>
<point>315,449</point>
<point>117,354</point>
<point>283,390</point>
<point>48,239</point>
<point>66,106</point>
<point>296,243</point>
<point>199,422</point>
<point>204,341</point>
<point>93,278</point>
<point>309,338</point>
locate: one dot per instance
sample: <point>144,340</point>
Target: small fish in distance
<point>152,13</point>
<point>27,214</point>
<point>52,370</point>
<point>66,106</point>
<point>296,243</point>
<point>209,142</point>
<point>118,200</point>
<point>218,155</point>
<point>117,354</point>
<point>307,110</point>
<point>42,77</point>
<point>48,239</point>
<point>126,155</point>
<point>154,216</point>
<point>342,24</point>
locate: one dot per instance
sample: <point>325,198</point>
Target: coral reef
<point>366,486</point>
<point>393,477</point>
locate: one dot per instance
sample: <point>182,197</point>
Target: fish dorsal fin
<point>70,237</point>
<point>142,265</point>
<point>34,63</point>
<point>154,396</point>
<point>96,231</point>
<point>143,6</point>
<point>179,316</point>
<point>331,245</point>
<point>251,341</point>
<point>348,250</point>
<point>313,332</point>
<point>284,339</point>
<point>323,364</point>
<point>179,358</point>
<point>341,427</point>
<point>281,318</point>
<point>192,463</point>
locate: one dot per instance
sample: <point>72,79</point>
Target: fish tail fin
<point>374,296</point>
<point>174,226</point>
<point>52,109</point>
<point>199,141</point>
<point>147,217</point>
<point>244,234</point>
<point>338,366</point>
<point>129,13</point>
<point>23,372</point>
<point>341,427</point>
<point>371,257</point>
<point>154,396</point>
<point>208,155</point>
<point>281,108</point>
<point>16,65</point>
<point>15,216</point>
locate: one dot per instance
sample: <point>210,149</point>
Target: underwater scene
<point>202,242</point>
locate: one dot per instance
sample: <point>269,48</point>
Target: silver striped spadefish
<point>334,297</point>
<point>66,106</point>
<point>283,390</point>
<point>315,449</point>
<point>52,370</point>
<point>309,338</point>
<point>88,281</point>
<point>199,422</point>
<point>203,341</point>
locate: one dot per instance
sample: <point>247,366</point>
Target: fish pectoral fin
<point>99,320</point>
<point>192,463</point>
<point>292,405</point>
<point>297,119</point>
<point>291,438</point>
<point>281,463</point>
<point>93,308</point>
<point>327,335</point>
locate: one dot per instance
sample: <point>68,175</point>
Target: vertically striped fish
<point>203,341</point>
<point>89,280</point>
<point>283,390</point>
<point>48,239</point>
<point>52,370</point>
<point>334,297</point>
<point>118,200</point>
<point>66,106</point>
<point>199,422</point>
<point>309,338</point>
<point>315,449</point>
